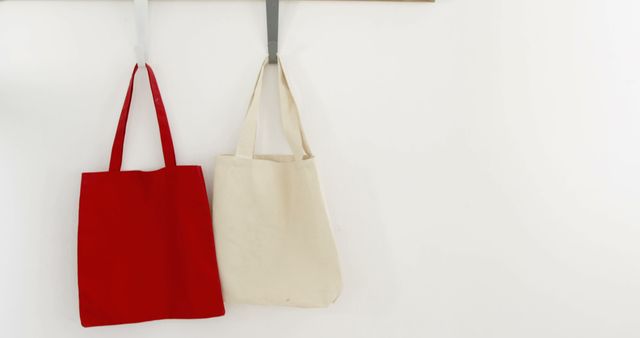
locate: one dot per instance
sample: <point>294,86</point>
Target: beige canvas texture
<point>273,237</point>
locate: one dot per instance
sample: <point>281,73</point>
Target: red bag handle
<point>165,133</point>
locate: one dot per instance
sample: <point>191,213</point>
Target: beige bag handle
<point>289,115</point>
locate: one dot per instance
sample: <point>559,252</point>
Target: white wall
<point>480,158</point>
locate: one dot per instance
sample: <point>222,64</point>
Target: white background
<point>480,158</point>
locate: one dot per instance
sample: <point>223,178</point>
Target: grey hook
<point>272,29</point>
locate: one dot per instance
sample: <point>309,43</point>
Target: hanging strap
<point>289,115</point>
<point>163,123</point>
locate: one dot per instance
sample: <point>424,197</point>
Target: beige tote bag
<point>273,238</point>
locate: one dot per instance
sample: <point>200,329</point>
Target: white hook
<point>142,23</point>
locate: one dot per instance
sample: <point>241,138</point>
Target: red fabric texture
<point>145,239</point>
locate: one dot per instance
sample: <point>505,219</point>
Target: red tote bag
<point>145,238</point>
